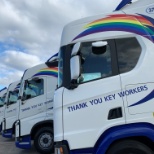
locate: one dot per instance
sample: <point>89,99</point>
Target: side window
<point>129,51</point>
<point>33,88</point>
<point>95,62</point>
<point>13,96</point>
<point>2,100</point>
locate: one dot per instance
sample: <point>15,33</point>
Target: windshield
<point>60,69</point>
<point>2,100</point>
<point>13,96</point>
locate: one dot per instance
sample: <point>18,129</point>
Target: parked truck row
<point>96,95</point>
<point>26,107</point>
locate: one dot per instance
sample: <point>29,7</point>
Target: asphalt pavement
<point>7,146</point>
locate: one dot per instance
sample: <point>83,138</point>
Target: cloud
<point>18,60</point>
<point>12,65</point>
<point>9,76</point>
<point>37,25</point>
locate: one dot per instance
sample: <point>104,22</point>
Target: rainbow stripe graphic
<point>138,24</point>
<point>51,71</point>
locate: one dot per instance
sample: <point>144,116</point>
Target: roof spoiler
<point>54,57</point>
<point>122,4</point>
<point>3,89</point>
<point>52,61</point>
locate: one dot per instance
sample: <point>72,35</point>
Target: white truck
<point>2,101</point>
<point>35,110</point>
<point>104,103</point>
<point>9,116</point>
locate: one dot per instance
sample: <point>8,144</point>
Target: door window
<point>13,96</point>
<point>33,88</point>
<point>129,51</point>
<point>95,62</point>
<point>2,100</point>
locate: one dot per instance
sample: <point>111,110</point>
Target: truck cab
<point>35,107</point>
<point>2,101</point>
<point>104,100</point>
<point>8,124</point>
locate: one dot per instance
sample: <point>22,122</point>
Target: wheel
<point>44,140</point>
<point>129,147</point>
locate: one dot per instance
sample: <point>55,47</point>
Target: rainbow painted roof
<point>51,71</point>
<point>138,24</point>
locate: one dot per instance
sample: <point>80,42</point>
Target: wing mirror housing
<point>75,67</point>
<point>75,71</point>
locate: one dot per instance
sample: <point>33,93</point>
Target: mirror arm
<point>73,85</point>
<point>19,97</point>
<point>22,99</point>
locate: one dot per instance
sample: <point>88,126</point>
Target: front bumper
<point>7,133</point>
<point>23,142</point>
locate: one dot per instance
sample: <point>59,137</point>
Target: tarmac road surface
<point>7,146</point>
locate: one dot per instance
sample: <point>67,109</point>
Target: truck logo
<point>150,10</point>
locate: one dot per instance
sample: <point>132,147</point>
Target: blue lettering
<point>40,104</point>
<point>28,108</point>
<point>69,108</point>
<point>77,107</point>
<point>126,92</point>
<point>131,91</point>
<point>113,96</point>
<point>139,89</point>
<point>135,91</point>
<point>34,106</point>
<point>109,97</point>
<point>121,94</point>
<point>145,87</point>
<point>96,101</point>
<point>72,108</point>
<point>106,98</point>
<point>92,102</point>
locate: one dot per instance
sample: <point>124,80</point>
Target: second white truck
<point>35,107</point>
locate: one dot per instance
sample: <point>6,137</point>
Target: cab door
<point>33,98</point>
<point>94,106</point>
<point>10,110</point>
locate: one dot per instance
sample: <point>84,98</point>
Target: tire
<point>44,140</point>
<point>129,147</point>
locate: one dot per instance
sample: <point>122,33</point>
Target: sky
<point>30,30</point>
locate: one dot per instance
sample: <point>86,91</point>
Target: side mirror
<point>76,49</point>
<point>75,71</point>
<point>75,67</point>
<point>99,47</point>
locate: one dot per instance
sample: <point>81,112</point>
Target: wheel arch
<point>37,126</point>
<point>136,131</point>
